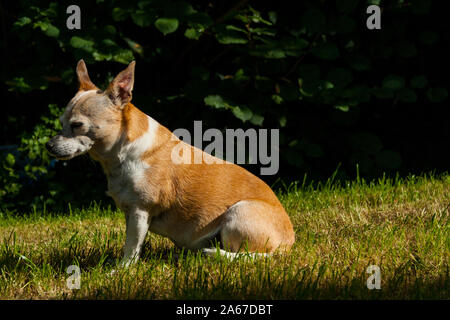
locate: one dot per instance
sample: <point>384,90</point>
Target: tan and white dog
<point>192,204</point>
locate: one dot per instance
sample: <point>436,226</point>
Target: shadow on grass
<point>205,278</point>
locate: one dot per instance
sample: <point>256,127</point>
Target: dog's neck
<point>139,136</point>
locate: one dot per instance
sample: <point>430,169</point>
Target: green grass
<point>401,225</point>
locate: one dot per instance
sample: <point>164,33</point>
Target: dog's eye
<point>75,125</point>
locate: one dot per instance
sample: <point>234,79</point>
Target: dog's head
<point>92,119</point>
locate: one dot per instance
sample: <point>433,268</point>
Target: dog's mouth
<point>59,157</point>
<point>69,156</point>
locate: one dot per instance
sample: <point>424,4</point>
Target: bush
<point>340,93</point>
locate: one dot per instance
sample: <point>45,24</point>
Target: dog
<point>194,205</point>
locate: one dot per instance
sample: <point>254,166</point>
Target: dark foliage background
<point>341,94</point>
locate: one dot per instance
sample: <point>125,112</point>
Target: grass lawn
<point>400,225</point>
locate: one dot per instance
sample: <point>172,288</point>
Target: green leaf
<point>257,120</point>
<point>81,43</point>
<point>262,31</point>
<point>256,17</point>
<point>98,56</point>
<point>118,14</point>
<point>277,99</point>
<point>215,101</point>
<point>192,33</point>
<point>437,94</point>
<point>52,31</point>
<point>327,85</point>
<point>110,29</point>
<point>274,54</point>
<point>43,25</point>
<point>143,18</point>
<point>10,160</point>
<point>342,108</point>
<point>242,113</point>
<point>18,84</point>
<point>136,47</point>
<point>294,46</point>
<point>227,36</point>
<point>166,25</point>
<point>124,56</point>
<point>226,39</point>
<point>240,77</point>
<point>22,21</point>
<point>109,43</point>
<point>394,82</point>
<point>234,28</point>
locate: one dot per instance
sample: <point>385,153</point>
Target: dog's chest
<point>126,183</point>
<point>127,176</point>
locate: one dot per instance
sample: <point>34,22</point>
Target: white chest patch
<point>125,180</point>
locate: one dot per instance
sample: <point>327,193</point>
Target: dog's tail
<point>215,252</point>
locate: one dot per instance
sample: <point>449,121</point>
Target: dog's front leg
<point>137,227</point>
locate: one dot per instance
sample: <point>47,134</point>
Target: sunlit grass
<point>401,225</point>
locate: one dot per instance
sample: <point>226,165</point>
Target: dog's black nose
<point>49,145</point>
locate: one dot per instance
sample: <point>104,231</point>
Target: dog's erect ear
<point>83,77</point>
<point>119,90</point>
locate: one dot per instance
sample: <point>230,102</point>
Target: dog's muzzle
<point>66,148</point>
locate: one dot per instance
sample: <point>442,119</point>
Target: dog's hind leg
<point>254,228</point>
